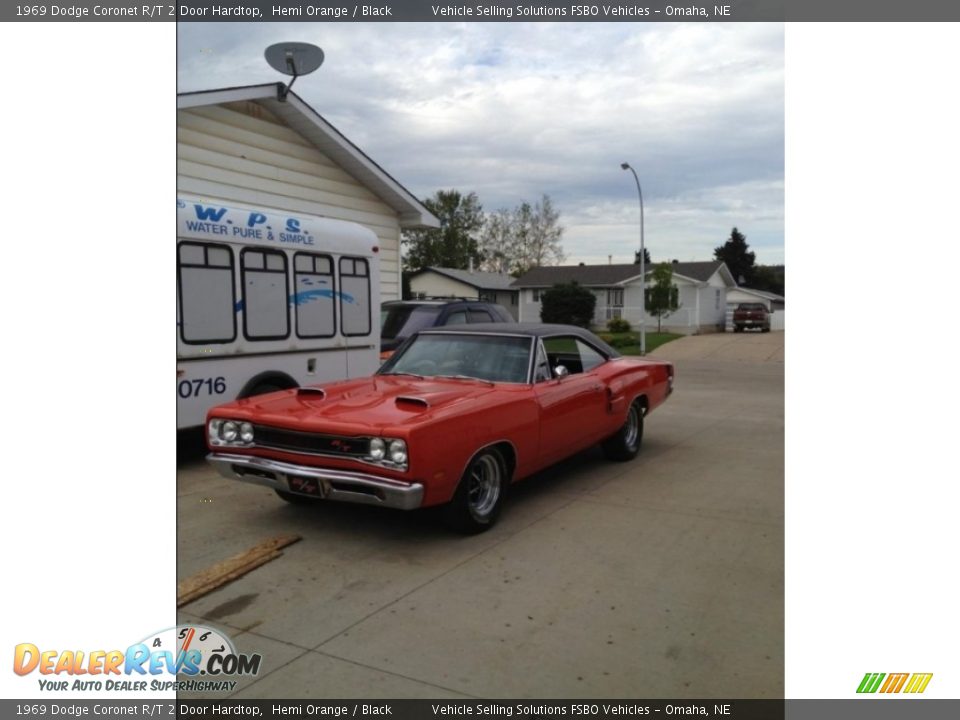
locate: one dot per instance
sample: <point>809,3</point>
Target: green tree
<point>646,257</point>
<point>663,297</point>
<point>497,243</point>
<point>543,242</point>
<point>529,236</point>
<point>771,278</point>
<point>569,304</point>
<point>455,242</point>
<point>740,261</point>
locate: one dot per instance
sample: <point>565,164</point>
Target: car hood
<point>358,406</point>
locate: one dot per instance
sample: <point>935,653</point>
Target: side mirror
<point>560,372</point>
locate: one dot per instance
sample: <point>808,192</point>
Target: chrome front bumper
<point>338,485</point>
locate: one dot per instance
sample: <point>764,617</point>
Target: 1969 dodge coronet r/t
<point>451,419</point>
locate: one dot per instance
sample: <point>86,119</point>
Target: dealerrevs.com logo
<point>894,682</point>
<point>190,651</point>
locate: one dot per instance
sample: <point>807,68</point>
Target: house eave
<point>302,118</point>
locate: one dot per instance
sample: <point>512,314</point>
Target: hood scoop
<point>319,393</point>
<point>414,401</point>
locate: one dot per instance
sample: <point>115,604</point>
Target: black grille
<point>280,439</point>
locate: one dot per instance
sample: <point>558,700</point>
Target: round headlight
<point>378,449</point>
<point>246,432</point>
<point>398,452</point>
<point>213,430</point>
<point>229,431</point>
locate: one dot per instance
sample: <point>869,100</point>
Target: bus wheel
<point>263,389</point>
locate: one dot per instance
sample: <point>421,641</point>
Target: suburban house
<point>246,146</point>
<point>773,302</point>
<point>701,286</point>
<point>449,282</point>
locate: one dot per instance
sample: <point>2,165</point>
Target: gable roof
<point>477,279</point>
<point>528,329</point>
<point>609,275</point>
<point>760,293</point>
<point>306,121</point>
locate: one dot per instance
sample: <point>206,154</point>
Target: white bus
<point>268,300</point>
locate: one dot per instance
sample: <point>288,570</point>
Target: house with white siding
<point>451,282</point>
<point>247,147</point>
<point>701,289</point>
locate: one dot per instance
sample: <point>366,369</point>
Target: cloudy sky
<point>512,111</point>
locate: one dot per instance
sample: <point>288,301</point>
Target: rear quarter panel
<point>629,378</point>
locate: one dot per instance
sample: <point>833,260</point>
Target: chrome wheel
<point>625,443</point>
<point>483,489</point>
<point>476,503</point>
<point>631,431</point>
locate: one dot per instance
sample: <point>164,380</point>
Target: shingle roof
<point>594,275</point>
<point>524,328</point>
<point>477,279</point>
<point>761,293</point>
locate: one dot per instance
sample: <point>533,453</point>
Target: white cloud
<point>514,110</point>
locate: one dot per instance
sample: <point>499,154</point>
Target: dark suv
<point>399,319</point>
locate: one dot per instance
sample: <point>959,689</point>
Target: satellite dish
<point>293,58</point>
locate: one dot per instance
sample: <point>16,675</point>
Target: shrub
<point>618,325</point>
<point>568,304</point>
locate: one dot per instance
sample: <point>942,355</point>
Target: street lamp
<point>643,269</point>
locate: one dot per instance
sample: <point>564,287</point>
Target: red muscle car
<point>453,418</point>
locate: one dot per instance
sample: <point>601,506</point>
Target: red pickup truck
<point>751,315</point>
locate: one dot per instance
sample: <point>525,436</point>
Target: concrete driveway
<point>751,346</point>
<point>658,578</point>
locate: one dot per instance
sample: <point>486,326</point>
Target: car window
<point>485,357</point>
<point>404,320</point>
<point>542,370</point>
<point>571,352</point>
<point>480,316</point>
<point>589,357</point>
<point>456,318</point>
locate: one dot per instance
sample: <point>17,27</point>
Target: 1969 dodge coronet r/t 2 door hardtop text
<point>451,419</point>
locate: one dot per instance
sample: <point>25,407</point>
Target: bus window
<point>354,296</point>
<point>207,294</point>
<point>313,302</point>
<point>264,274</point>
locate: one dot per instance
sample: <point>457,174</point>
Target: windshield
<point>404,320</point>
<point>496,358</point>
<point>751,306</point>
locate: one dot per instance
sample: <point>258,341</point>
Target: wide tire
<point>479,497</point>
<point>625,444</point>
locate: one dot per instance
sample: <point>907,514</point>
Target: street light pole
<point>643,268</point>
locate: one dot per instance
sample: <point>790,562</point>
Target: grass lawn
<point>629,343</point>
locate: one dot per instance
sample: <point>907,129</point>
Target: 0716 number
<point>194,388</point>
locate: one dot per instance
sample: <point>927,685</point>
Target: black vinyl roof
<point>536,330</point>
